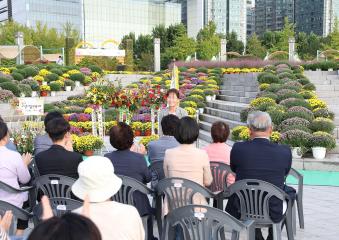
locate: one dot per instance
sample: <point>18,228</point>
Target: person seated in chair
<point>57,159</point>
<point>261,159</point>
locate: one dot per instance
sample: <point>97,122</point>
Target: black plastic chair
<point>54,186</point>
<point>254,196</point>
<point>59,206</point>
<point>30,189</point>
<point>299,199</point>
<point>18,213</point>
<point>179,192</point>
<point>157,171</point>
<point>33,169</point>
<point>219,172</point>
<point>203,222</point>
<point>126,195</point>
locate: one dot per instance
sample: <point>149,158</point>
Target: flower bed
<point>297,114</point>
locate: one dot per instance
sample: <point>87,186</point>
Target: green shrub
<point>95,68</point>
<point>268,95</point>
<point>17,76</point>
<point>48,107</point>
<point>322,139</point>
<point>274,87</point>
<point>269,68</point>
<point>284,70</point>
<point>56,71</point>
<point>286,75</point>
<point>25,89</point>
<point>31,71</point>
<point>267,78</point>
<point>11,87</point>
<point>70,83</point>
<point>322,124</point>
<point>201,105</point>
<point>324,113</point>
<point>202,69</point>
<point>296,138</point>
<point>309,86</point>
<point>51,77</point>
<point>182,69</point>
<point>296,127</point>
<point>32,83</point>
<point>191,98</point>
<point>289,95</point>
<point>294,121</point>
<point>308,116</point>
<point>55,87</point>
<point>4,79</point>
<point>236,132</point>
<point>307,94</point>
<point>292,102</point>
<point>78,77</point>
<point>277,113</point>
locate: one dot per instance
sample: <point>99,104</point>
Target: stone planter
<point>77,83</point>
<point>53,93</point>
<point>319,152</point>
<point>68,88</point>
<point>209,98</point>
<point>296,152</point>
<point>34,94</point>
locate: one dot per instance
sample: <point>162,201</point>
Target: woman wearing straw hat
<point>114,220</point>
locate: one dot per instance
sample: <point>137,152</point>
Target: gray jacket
<point>179,112</point>
<point>42,143</point>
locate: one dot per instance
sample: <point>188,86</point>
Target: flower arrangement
<point>45,88</point>
<point>236,132</point>
<point>146,140</point>
<point>322,139</point>
<point>152,97</point>
<point>6,96</point>
<point>88,110</point>
<point>317,103</point>
<point>73,71</point>
<point>43,72</point>
<point>80,117</point>
<point>95,75</point>
<point>296,138</point>
<point>275,137</point>
<point>38,78</point>
<point>85,143</point>
<point>86,71</point>
<point>322,124</point>
<point>191,111</point>
<point>24,138</point>
<point>262,101</point>
<point>65,75</point>
<point>5,70</point>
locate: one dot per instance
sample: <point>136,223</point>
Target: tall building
<point>317,16</point>
<point>270,14</point>
<point>250,17</point>
<point>228,15</point>
<point>96,21</point>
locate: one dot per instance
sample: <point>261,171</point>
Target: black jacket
<point>57,160</point>
<point>263,160</point>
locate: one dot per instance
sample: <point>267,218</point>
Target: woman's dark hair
<point>57,129</point>
<point>187,131</point>
<point>52,115</point>
<point>121,136</point>
<point>70,226</point>
<point>220,132</point>
<point>3,130</point>
<point>174,91</point>
<point>169,124</point>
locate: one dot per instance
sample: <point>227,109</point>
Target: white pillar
<point>223,50</point>
<point>156,54</point>
<point>19,40</point>
<point>291,48</point>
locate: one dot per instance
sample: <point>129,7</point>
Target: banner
<point>175,77</point>
<point>31,106</point>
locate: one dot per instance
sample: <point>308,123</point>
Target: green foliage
<point>77,77</point>
<point>304,115</point>
<point>55,86</point>
<point>96,68</point>
<point>208,42</point>
<point>4,79</point>
<point>17,76</point>
<point>30,71</point>
<point>286,75</point>
<point>11,87</point>
<point>324,113</point>
<point>277,113</point>
<point>96,64</point>
<point>233,44</point>
<point>51,77</point>
<point>25,89</point>
<point>308,44</point>
<point>182,48</point>
<point>56,71</point>
<point>322,124</point>
<point>267,78</point>
<point>292,102</point>
<point>255,48</point>
<point>296,138</point>
<point>322,139</point>
<point>309,86</point>
<point>70,83</point>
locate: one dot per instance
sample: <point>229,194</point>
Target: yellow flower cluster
<point>157,79</point>
<point>191,111</point>
<point>263,86</point>
<point>245,134</point>
<point>5,70</point>
<point>128,72</point>
<point>65,75</point>
<point>88,110</point>
<point>87,126</point>
<point>86,143</point>
<point>95,75</point>
<point>73,71</point>
<point>38,78</point>
<point>45,88</point>
<point>60,82</point>
<point>44,72</point>
<point>262,100</point>
<point>317,103</point>
<point>241,70</point>
<point>275,137</point>
<point>146,140</point>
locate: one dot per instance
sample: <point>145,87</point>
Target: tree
<point>70,31</point>
<point>144,44</point>
<point>284,35</point>
<point>183,47</point>
<point>333,37</point>
<point>8,30</point>
<point>255,48</point>
<point>123,43</point>
<point>161,32</point>
<point>308,45</point>
<point>269,39</point>
<point>208,42</point>
<point>233,44</point>
<point>173,32</point>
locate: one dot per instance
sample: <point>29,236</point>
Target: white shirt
<point>116,221</point>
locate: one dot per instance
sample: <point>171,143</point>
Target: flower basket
<point>43,93</point>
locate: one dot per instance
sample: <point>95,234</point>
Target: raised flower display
<point>86,144</point>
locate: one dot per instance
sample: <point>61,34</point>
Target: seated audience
<point>219,151</point>
<point>261,159</point>
<point>44,142</point>
<point>57,159</point>
<point>10,145</point>
<point>186,160</point>
<point>131,164</point>
<point>98,182</point>
<point>13,171</point>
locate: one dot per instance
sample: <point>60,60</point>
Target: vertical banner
<point>94,123</point>
<point>152,119</point>
<point>100,122</point>
<point>175,77</point>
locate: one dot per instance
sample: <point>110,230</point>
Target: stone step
<point>336,120</point>
<point>227,106</point>
<point>240,83</point>
<point>330,100</point>
<point>325,82</point>
<point>223,114</point>
<point>327,94</point>
<point>234,98</point>
<point>239,93</point>
<point>240,88</point>
<point>329,88</point>
<point>207,121</point>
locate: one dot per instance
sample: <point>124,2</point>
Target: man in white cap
<point>114,220</point>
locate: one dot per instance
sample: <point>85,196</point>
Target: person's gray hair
<point>259,121</point>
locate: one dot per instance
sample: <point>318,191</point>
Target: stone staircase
<point>327,89</point>
<point>236,92</point>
